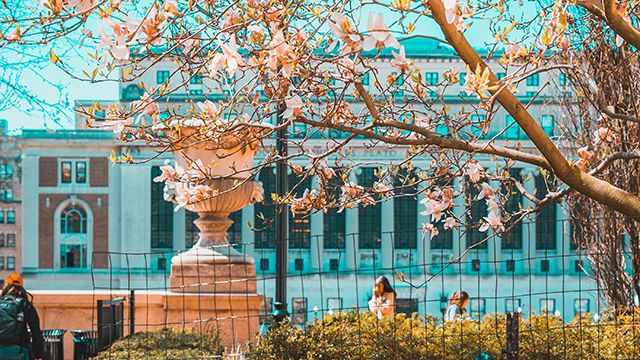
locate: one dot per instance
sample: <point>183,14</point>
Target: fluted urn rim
<point>232,195</point>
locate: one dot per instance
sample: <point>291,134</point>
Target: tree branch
<point>594,7</point>
<point>592,187</point>
<point>619,25</point>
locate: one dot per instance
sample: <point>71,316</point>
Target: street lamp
<point>282,185</point>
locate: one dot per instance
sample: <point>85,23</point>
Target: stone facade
<point>10,204</point>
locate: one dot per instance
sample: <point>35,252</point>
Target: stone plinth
<point>235,316</point>
<point>223,277</point>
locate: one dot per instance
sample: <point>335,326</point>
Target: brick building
<point>10,204</point>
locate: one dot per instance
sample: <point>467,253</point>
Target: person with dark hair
<point>17,316</point>
<point>383,301</point>
<point>458,302</point>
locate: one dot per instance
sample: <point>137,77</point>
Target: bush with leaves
<point>165,344</point>
<point>352,335</point>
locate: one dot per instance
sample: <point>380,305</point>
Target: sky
<point>43,80</point>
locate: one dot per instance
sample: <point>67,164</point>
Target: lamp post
<point>281,312</point>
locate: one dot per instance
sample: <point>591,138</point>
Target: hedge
<point>363,336</point>
<point>165,344</point>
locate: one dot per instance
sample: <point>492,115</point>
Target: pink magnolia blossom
<point>343,30</point>
<point>171,7</point>
<point>145,105</point>
<point>474,170</point>
<point>168,173</point>
<point>366,200</point>
<point>381,188</point>
<point>80,6</point>
<point>280,54</point>
<point>431,229</point>
<point>604,134</point>
<point>208,109</point>
<point>256,33</point>
<point>400,61</point>
<point>449,223</point>
<point>230,58</point>
<point>486,191</point>
<point>585,155</point>
<point>493,222</point>
<point>294,107</point>
<point>119,125</point>
<point>379,36</point>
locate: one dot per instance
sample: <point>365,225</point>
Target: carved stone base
<point>215,278</point>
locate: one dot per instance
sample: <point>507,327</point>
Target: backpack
<point>12,319</point>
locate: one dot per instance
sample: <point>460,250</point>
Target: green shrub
<point>351,335</point>
<point>165,344</point>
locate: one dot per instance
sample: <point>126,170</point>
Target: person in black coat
<point>22,345</point>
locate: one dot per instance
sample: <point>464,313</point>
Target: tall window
<point>365,79</point>
<point>73,237</point>
<point>335,223</point>
<point>161,215</point>
<point>405,212</point>
<point>191,230</point>
<point>513,129</point>
<point>1,216</point>
<point>1,262</point>
<point>533,80</point>
<point>73,171</point>
<point>369,217</point>
<point>196,79</point>
<point>546,219</point>
<point>162,76</point>
<point>265,212</point>
<point>299,225</point>
<point>11,240</point>
<point>6,171</point>
<point>562,79</point>
<point>73,220</point>
<point>234,234</point>
<point>431,78</point>
<point>65,175</point>
<point>6,195</point>
<point>512,239</point>
<point>547,123</point>
<point>476,213</point>
<point>1,240</point>
<point>11,217</point>
<point>81,172</point>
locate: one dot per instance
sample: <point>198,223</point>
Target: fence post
<point>512,350</point>
<point>132,312</point>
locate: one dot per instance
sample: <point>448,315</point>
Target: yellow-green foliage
<point>165,344</point>
<point>363,336</point>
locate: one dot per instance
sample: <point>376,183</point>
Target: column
<point>30,209</point>
<point>387,228</point>
<point>317,240</point>
<point>352,227</point>
<point>529,226</point>
<point>248,235</point>
<point>459,242</point>
<point>495,244</point>
<point>424,240</point>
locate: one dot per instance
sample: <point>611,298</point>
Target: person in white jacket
<point>458,302</point>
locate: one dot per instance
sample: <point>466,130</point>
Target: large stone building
<point>91,225</point>
<point>10,204</point>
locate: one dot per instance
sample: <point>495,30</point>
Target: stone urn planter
<point>213,265</point>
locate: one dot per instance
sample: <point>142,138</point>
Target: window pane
<point>405,212</point>
<point>73,220</point>
<point>478,212</point>
<point>547,124</point>
<point>1,262</point>
<point>234,234</point>
<point>463,78</point>
<point>65,172</point>
<point>11,240</point>
<point>11,217</point>
<point>73,256</point>
<point>513,130</point>
<point>191,230</point>
<point>335,223</point>
<point>265,212</point>
<point>299,225</point>
<point>431,78</point>
<point>1,217</point>
<point>369,217</point>
<point>197,79</point>
<point>533,80</point>
<point>546,219</point>
<point>512,239</point>
<point>162,76</point>
<point>161,215</point>
<point>11,263</point>
<point>81,172</point>
<point>2,240</point>
<point>365,79</point>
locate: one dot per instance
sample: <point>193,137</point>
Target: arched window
<point>73,220</point>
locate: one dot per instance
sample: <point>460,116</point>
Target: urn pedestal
<point>213,265</point>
